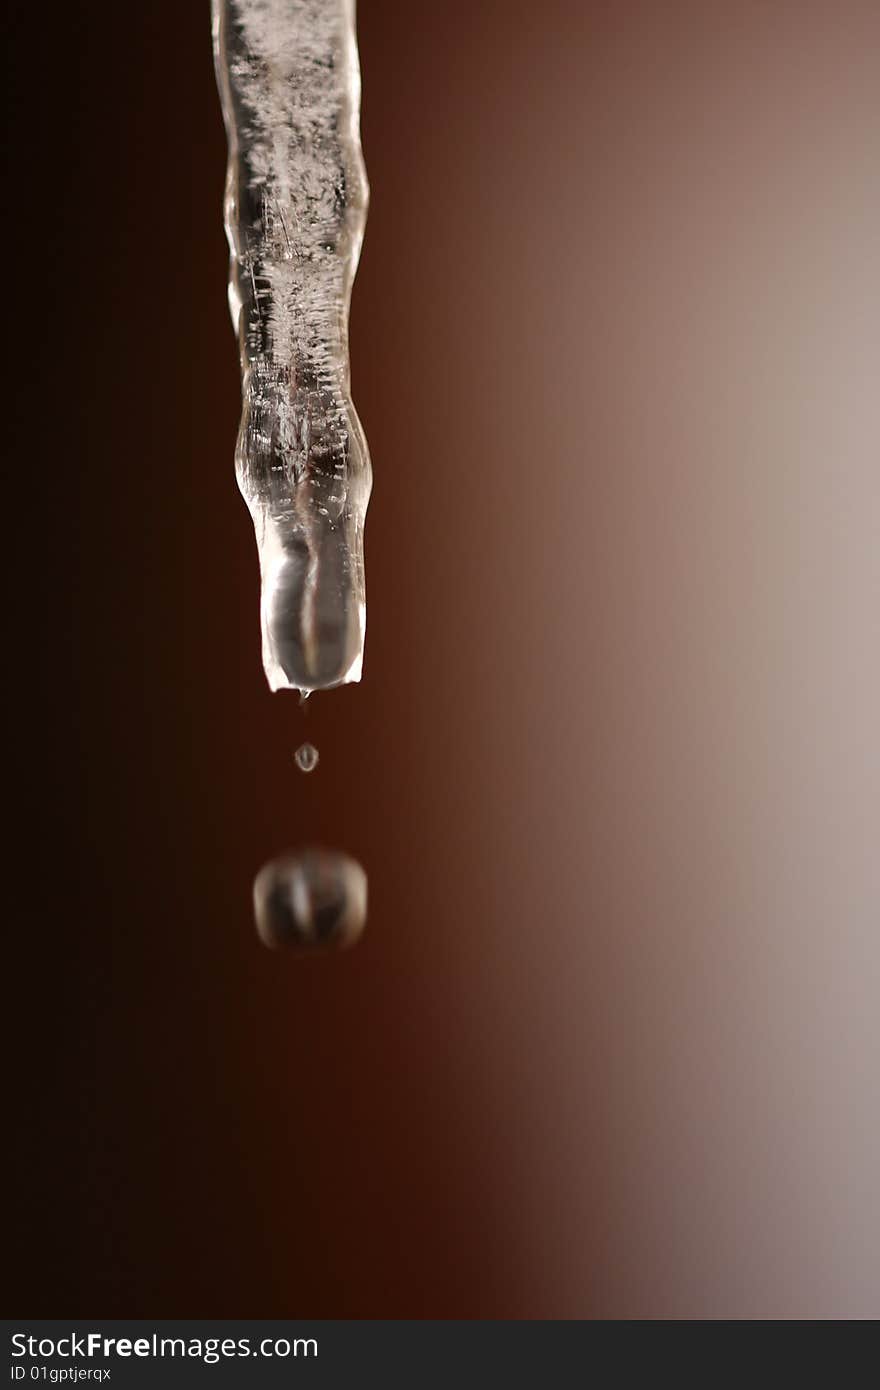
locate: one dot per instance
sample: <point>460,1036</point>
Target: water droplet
<point>309,900</point>
<point>306,757</point>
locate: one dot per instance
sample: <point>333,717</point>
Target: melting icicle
<point>296,200</point>
<point>311,900</point>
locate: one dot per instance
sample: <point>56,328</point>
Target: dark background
<point>609,1047</point>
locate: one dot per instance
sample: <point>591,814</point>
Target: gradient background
<point>611,1044</point>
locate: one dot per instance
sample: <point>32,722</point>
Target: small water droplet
<point>309,900</point>
<point>306,757</point>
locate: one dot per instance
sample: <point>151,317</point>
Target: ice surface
<point>296,201</point>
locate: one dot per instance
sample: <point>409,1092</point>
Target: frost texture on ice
<point>296,201</point>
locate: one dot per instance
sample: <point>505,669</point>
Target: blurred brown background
<point>609,1047</point>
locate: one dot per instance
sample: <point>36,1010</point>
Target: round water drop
<point>306,757</point>
<point>313,899</point>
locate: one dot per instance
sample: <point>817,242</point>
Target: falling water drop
<point>313,899</point>
<point>306,757</point>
